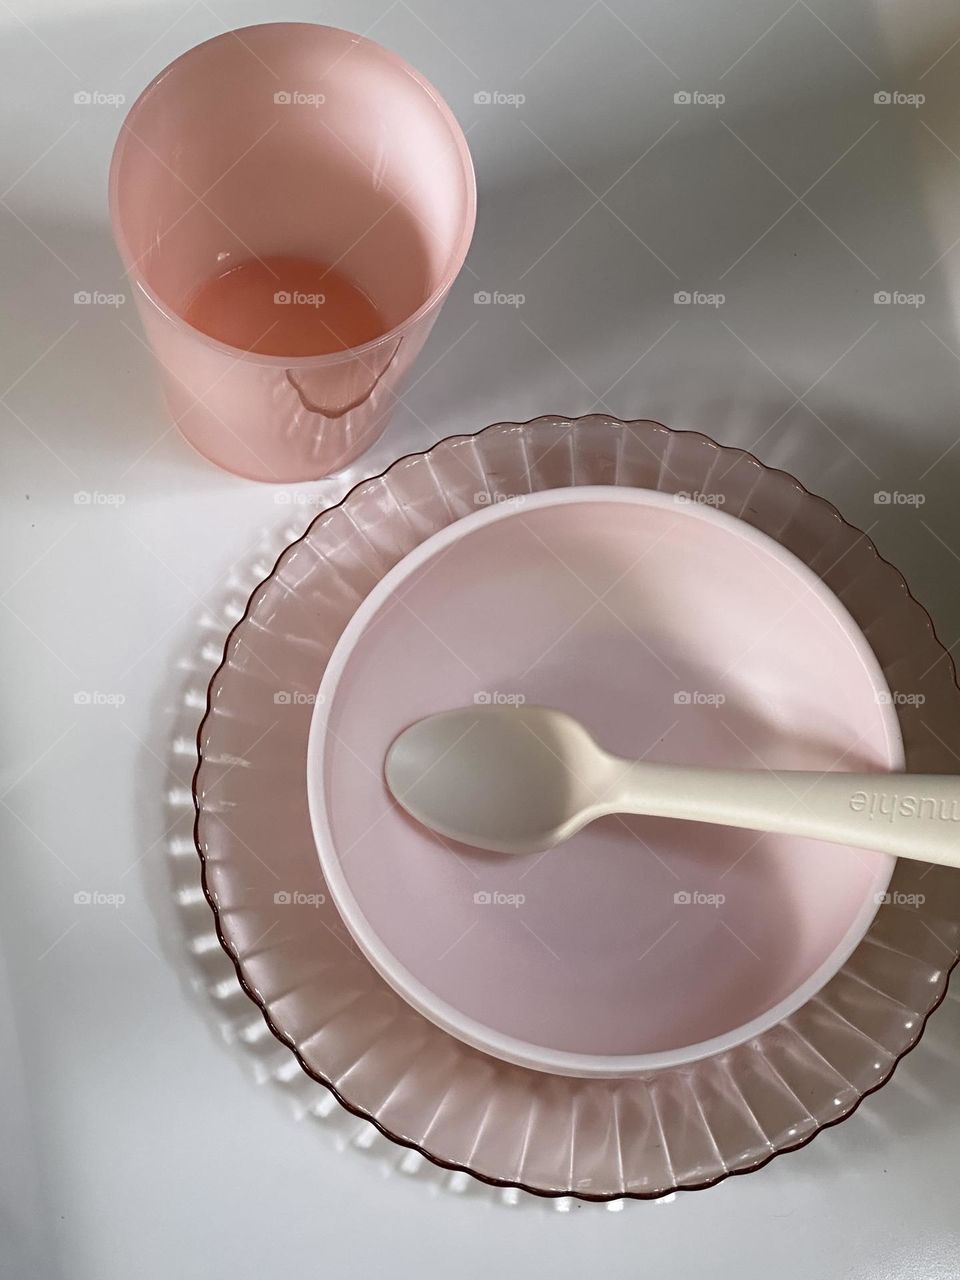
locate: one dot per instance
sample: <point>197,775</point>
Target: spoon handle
<point>911,815</point>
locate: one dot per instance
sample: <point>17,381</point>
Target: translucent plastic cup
<point>303,141</point>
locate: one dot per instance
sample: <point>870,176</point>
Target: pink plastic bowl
<point>676,633</point>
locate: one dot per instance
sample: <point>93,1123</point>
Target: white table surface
<point>148,1128</point>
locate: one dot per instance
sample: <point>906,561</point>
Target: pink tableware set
<point>642,1003</point>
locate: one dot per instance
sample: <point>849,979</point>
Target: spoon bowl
<point>507,779</point>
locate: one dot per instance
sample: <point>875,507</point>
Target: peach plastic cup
<point>303,141</point>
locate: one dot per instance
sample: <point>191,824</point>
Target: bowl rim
<point>470,1030</point>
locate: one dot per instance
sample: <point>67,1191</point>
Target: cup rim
<point>471,1031</point>
<point>328,359</point>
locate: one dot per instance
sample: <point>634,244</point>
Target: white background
<point>148,1128</point>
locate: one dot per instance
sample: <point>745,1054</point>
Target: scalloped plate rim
<point>560,420</point>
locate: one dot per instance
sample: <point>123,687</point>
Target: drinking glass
<point>293,141</point>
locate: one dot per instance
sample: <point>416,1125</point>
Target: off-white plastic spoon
<point>523,779</point>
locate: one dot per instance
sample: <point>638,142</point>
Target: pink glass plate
<point>613,604</point>
<point>678,1128</point>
